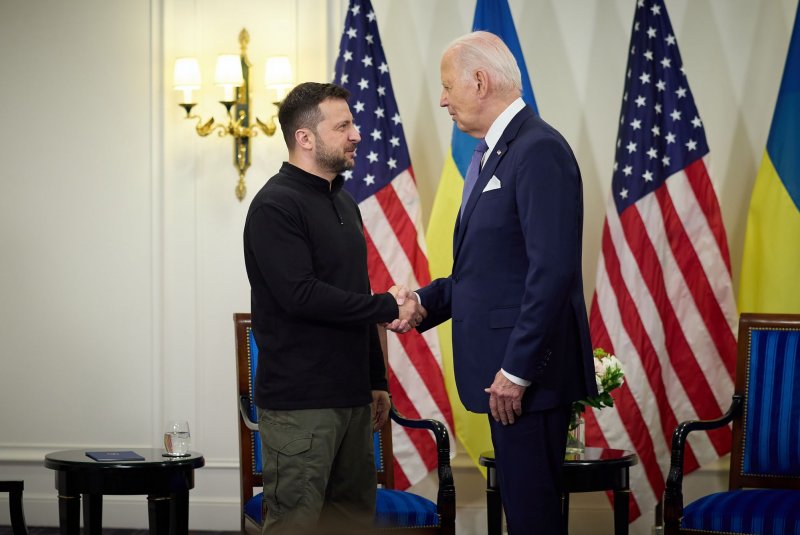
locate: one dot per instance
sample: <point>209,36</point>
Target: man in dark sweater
<point>321,385</point>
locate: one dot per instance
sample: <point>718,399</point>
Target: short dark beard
<point>330,161</point>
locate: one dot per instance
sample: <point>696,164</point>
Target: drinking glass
<point>177,438</point>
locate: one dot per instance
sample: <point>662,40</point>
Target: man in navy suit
<point>521,347</point>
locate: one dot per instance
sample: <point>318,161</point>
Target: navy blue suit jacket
<point>515,294</point>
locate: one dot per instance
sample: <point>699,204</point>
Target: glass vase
<point>576,433</point>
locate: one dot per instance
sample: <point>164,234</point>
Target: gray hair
<point>486,51</point>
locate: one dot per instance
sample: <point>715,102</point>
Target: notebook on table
<point>114,456</point>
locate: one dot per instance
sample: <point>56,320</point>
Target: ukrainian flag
<point>771,264</point>
<point>492,16</point>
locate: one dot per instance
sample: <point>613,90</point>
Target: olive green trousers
<point>319,470</point>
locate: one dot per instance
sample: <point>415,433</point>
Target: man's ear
<point>304,138</point>
<point>481,83</point>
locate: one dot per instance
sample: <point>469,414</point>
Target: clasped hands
<point>411,313</point>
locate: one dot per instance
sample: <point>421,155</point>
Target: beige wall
<point>121,235</point>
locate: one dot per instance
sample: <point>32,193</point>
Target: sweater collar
<point>313,181</point>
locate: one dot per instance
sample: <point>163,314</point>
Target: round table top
<point>589,457</point>
<point>153,457</point>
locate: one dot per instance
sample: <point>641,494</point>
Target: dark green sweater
<point>312,310</point>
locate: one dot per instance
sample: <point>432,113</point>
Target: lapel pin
<point>499,152</point>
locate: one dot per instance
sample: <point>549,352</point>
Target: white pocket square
<point>494,183</point>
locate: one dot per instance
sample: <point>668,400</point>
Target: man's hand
<point>410,312</point>
<point>505,399</point>
<point>400,293</point>
<point>380,408</point>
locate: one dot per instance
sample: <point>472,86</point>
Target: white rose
<point>599,369</point>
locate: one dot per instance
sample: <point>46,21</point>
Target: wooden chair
<point>395,510</point>
<point>14,490</point>
<point>764,481</point>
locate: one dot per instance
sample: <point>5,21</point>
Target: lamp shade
<point>186,74</point>
<point>278,72</point>
<point>278,75</point>
<point>229,71</point>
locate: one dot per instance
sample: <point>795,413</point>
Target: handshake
<point>411,313</point>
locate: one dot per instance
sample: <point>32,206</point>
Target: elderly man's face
<point>459,95</point>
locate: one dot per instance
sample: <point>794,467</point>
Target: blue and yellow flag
<point>771,263</point>
<point>492,16</point>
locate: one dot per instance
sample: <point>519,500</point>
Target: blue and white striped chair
<point>764,483</point>
<point>395,509</point>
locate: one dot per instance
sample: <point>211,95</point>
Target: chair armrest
<point>446,497</point>
<point>244,412</point>
<point>673,494</point>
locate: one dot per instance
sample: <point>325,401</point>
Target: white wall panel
<point>78,290</point>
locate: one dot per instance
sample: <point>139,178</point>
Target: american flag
<point>383,184</point>
<point>663,300</point>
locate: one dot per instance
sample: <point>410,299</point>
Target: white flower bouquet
<point>609,375</point>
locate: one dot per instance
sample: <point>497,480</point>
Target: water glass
<point>177,438</point>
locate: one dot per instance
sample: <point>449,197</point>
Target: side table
<point>595,469</point>
<point>165,480</point>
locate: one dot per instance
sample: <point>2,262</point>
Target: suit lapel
<point>492,161</point>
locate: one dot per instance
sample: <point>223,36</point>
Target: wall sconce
<point>233,76</point>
